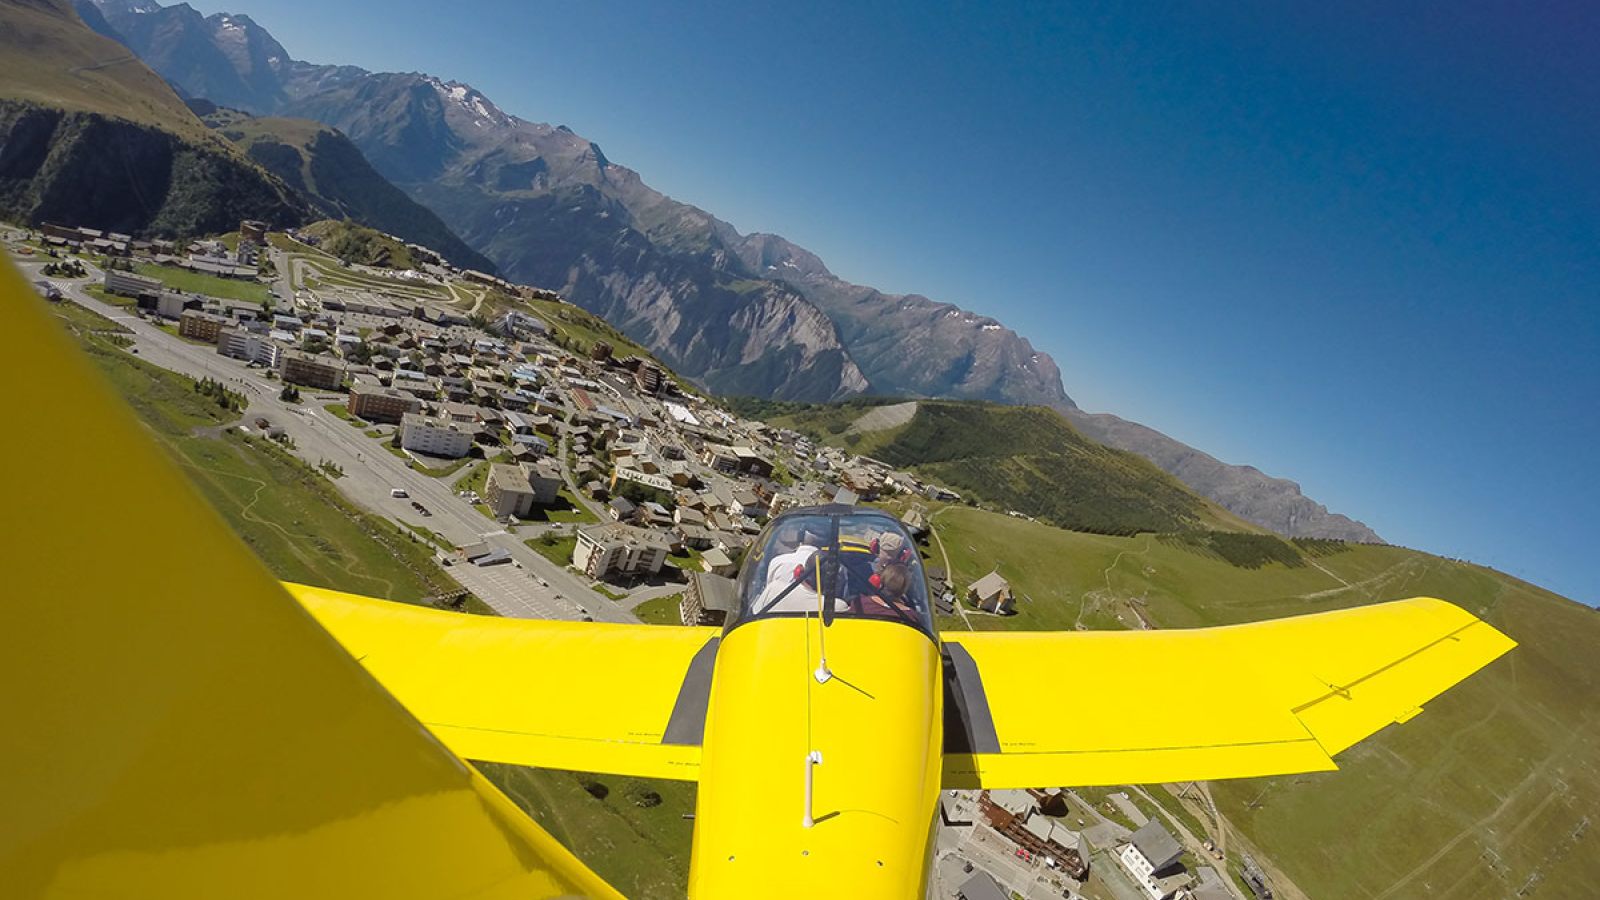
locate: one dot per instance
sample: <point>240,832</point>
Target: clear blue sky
<point>1354,244</point>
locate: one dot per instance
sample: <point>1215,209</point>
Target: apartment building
<point>381,404</point>
<point>201,326</point>
<point>238,343</point>
<point>434,437</point>
<point>615,549</point>
<point>312,371</point>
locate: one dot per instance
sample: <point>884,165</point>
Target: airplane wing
<point>619,699</point>
<point>1269,698</point>
<point>176,725</point>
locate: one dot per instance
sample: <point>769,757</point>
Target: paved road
<point>371,471</point>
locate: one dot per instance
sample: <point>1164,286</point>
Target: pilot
<point>803,541</point>
<point>782,593</point>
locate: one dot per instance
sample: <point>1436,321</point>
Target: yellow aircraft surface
<point>180,725</point>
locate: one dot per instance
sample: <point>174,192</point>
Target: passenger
<point>890,549</point>
<point>890,590</point>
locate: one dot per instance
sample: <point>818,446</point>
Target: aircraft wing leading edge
<point>1268,698</point>
<point>592,697</point>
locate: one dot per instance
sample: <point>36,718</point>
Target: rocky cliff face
<point>227,59</point>
<point>909,345</point>
<point>1245,491</point>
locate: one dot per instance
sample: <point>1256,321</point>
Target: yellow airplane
<point>177,725</point>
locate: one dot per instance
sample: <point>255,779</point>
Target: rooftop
<point>982,886</point>
<point>627,534</point>
<point>716,592</point>
<point>1157,845</point>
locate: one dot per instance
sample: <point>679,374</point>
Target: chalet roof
<point>717,592</point>
<point>990,585</point>
<point>981,886</point>
<point>1157,845</point>
<point>1013,801</point>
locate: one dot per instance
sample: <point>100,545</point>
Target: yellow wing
<point>621,699</point>
<point>1270,698</point>
<point>176,725</point>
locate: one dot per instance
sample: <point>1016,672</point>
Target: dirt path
<point>1107,593</point>
<point>948,572</point>
<point>1367,586</point>
<point>246,512</point>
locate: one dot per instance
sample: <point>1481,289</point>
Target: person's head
<point>891,548</point>
<point>894,581</point>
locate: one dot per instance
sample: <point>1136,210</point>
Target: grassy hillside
<point>52,59</point>
<point>1026,458</point>
<point>359,245</point>
<point>1494,789</point>
<point>93,137</point>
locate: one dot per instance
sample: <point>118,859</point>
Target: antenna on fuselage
<point>824,604</point>
<point>823,673</point>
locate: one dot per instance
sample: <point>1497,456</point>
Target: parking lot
<point>514,591</point>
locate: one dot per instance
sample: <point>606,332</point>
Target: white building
<point>604,550</point>
<point>434,437</point>
<point>1150,853</point>
<point>240,344</point>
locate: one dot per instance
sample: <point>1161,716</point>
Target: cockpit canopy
<point>861,560</point>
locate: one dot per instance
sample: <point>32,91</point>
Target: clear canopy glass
<point>841,562</point>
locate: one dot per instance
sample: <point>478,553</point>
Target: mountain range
<point>739,313</point>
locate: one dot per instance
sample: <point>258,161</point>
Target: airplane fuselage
<point>876,724</point>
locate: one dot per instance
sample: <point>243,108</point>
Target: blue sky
<point>1353,244</point>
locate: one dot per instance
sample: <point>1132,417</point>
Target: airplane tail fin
<point>174,723</point>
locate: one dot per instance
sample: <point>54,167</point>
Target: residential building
<point>515,323</point>
<point>709,599</point>
<point>434,437</point>
<point>991,593</point>
<point>717,563</point>
<point>241,344</point>
<point>649,378</point>
<point>622,509</point>
<point>734,460</point>
<point>507,492</point>
<point>1013,813</point>
<point>459,412</point>
<point>981,886</point>
<point>381,404</point>
<point>1151,857</point>
<point>201,326</point>
<point>544,478</point>
<point>600,352</point>
<point>312,371</point>
<point>130,285</point>
<point>606,550</point>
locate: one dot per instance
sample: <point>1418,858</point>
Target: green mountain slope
<point>330,172</point>
<point>90,136</point>
<point>1493,792</point>
<point>1026,458</point>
